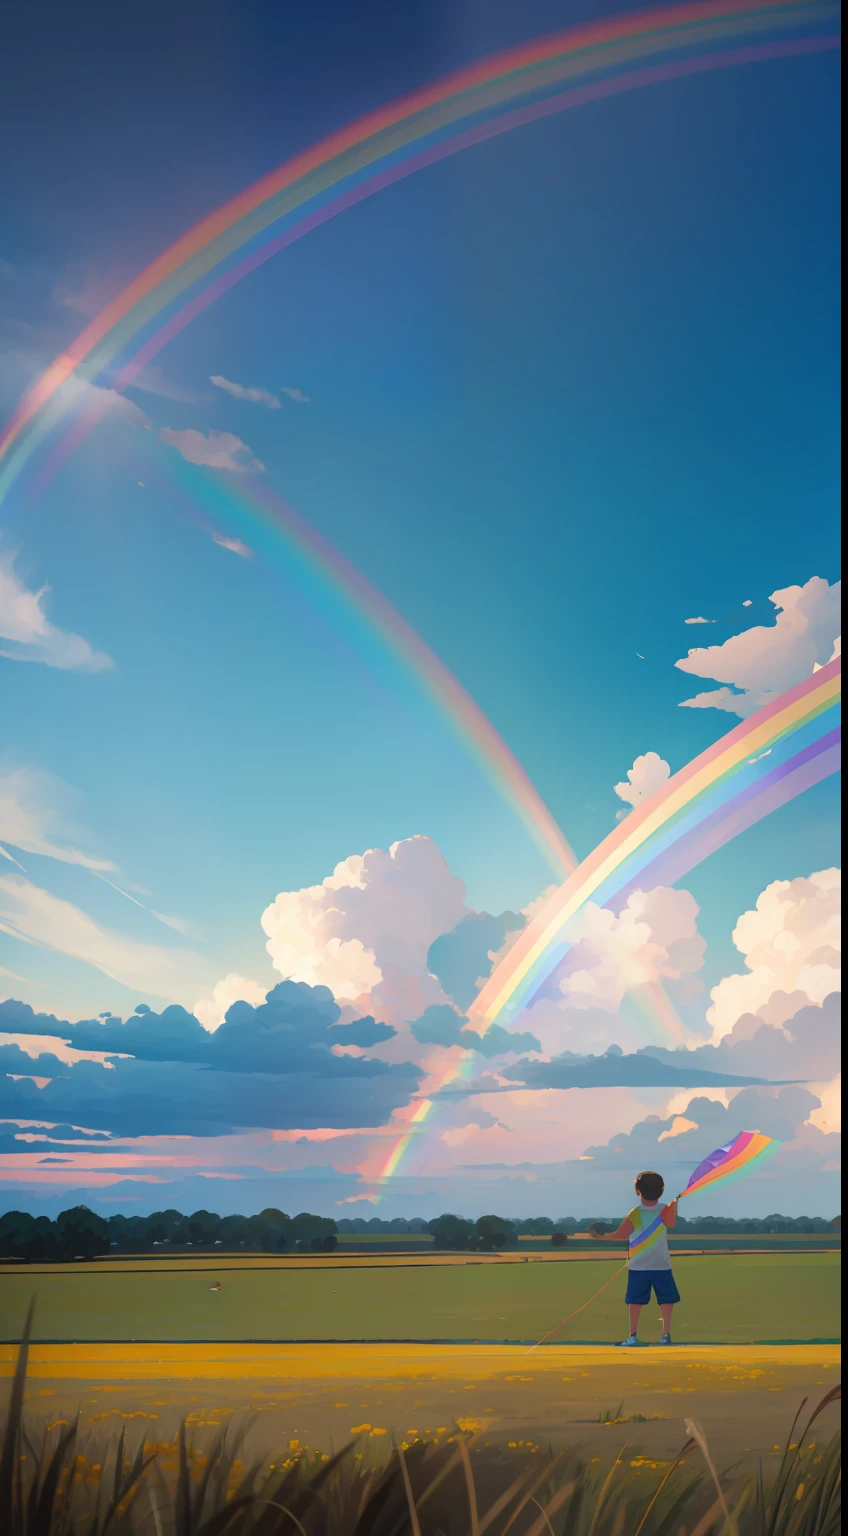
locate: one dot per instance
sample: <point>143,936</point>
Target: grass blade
<point>689,1445</point>
<point>11,1435</point>
<point>605,1489</point>
<point>555,1503</point>
<point>43,1515</point>
<point>413,1513</point>
<point>470,1488</point>
<point>694,1429</point>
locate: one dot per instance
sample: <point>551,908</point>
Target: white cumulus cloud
<point>699,621</point>
<point>837,651</point>
<point>246,392</point>
<point>647,775</point>
<point>232,989</point>
<point>679,1126</point>
<point>26,633</point>
<point>761,663</point>
<point>828,1117</point>
<point>791,942</point>
<point>216,450</point>
<point>654,938</point>
<point>366,929</point>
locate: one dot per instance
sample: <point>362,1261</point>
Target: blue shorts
<point>640,1282</point>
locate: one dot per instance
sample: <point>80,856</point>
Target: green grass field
<point>730,1298</point>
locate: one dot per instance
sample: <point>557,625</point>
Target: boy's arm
<point>610,1237</point>
<point>669,1215</point>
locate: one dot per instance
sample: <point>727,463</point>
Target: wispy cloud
<point>30,821</point>
<point>295,394</point>
<point>216,450</point>
<point>6,855</point>
<point>98,400</point>
<point>234,545</point>
<point>13,975</point>
<point>177,923</point>
<point>86,292</point>
<point>38,917</point>
<point>26,633</point>
<point>152,380</point>
<point>246,392</point>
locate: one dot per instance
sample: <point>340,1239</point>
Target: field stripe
<point>98,1362</point>
<point>157,1266</point>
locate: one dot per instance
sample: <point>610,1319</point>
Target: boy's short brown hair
<point>650,1186</point>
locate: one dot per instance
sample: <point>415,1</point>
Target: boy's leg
<point>667,1295</point>
<point>634,1318</point>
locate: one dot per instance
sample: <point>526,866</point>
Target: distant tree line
<point>543,1226</point>
<point>487,1234</point>
<point>499,1232</point>
<point>81,1234</point>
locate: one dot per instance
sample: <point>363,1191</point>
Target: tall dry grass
<point>58,1484</point>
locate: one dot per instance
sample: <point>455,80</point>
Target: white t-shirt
<point>653,1253</point>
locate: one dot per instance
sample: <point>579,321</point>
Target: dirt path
<point>745,1396</point>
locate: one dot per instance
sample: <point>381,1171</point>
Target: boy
<point>649,1264</point>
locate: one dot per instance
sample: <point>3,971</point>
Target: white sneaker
<point>632,1343</point>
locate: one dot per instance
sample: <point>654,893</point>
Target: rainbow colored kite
<point>734,1158</point>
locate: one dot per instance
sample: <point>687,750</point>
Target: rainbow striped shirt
<point>648,1242</point>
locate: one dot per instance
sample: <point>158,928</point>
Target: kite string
<point>579,1309</point>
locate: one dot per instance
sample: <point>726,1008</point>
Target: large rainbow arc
<point>781,750</point>
<point>492,95</point>
<point>331,581</point>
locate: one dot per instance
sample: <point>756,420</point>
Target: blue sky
<point>564,391</point>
